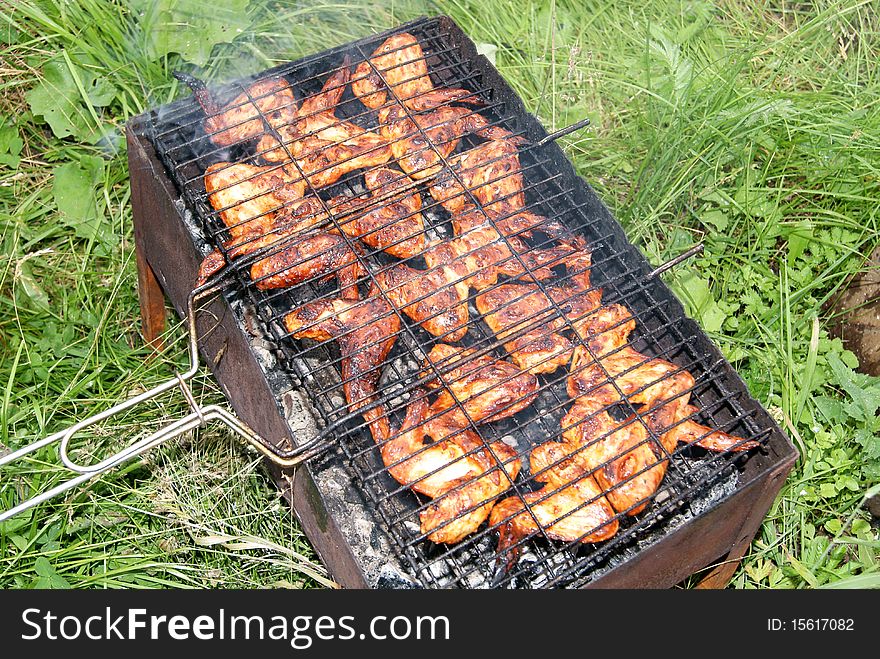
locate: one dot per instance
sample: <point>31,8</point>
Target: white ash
<point>438,570</point>
<point>476,580</point>
<point>391,577</point>
<point>347,508</point>
<point>662,496</point>
<point>194,227</point>
<point>344,502</point>
<point>399,395</point>
<point>264,350</point>
<point>298,413</point>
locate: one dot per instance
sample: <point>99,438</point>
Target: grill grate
<point>552,190</point>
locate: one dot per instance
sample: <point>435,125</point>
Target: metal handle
<point>199,417</point>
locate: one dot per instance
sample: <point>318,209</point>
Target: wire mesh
<point>280,195</point>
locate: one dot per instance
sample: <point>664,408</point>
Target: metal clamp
<point>199,416</point>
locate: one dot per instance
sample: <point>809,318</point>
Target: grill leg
<point>152,300</point>
<point>719,576</point>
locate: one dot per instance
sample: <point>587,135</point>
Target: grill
<point>299,337</point>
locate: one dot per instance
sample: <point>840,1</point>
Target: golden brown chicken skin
<point>456,469</point>
<point>436,299</point>
<point>421,143</point>
<point>570,507</point>
<point>391,219</point>
<point>311,257</point>
<point>524,311</point>
<point>365,331</point>
<point>629,461</point>
<point>242,119</point>
<point>267,238</point>
<point>480,254</point>
<point>514,224</point>
<point>625,461</point>
<point>324,146</point>
<point>525,317</point>
<point>488,173</point>
<point>247,198</point>
<point>476,389</point>
<point>398,66</point>
<point>263,209</point>
<point>688,431</point>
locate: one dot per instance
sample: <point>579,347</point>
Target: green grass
<point>754,127</point>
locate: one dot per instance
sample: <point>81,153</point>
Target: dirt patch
<point>857,315</point>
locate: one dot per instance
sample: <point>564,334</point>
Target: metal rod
<point>562,132</point>
<point>671,263</point>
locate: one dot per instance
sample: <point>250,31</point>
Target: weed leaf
<point>69,110</point>
<point>11,143</point>
<point>43,568</point>
<point>29,286</point>
<point>858,581</point>
<point>190,28</point>
<point>73,189</point>
<point>488,50</point>
<point>10,526</point>
<point>700,302</point>
<point>862,389</point>
<point>47,576</point>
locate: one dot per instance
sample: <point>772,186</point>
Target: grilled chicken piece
<point>393,221</point>
<point>399,65</point>
<point>488,389</point>
<point>525,312</point>
<point>688,431</point>
<point>514,223</point>
<point>422,142</point>
<point>211,264</point>
<point>327,156</point>
<point>323,145</point>
<point>365,331</point>
<point>242,119</point>
<point>248,198</point>
<point>652,382</point>
<point>479,253</point>
<point>436,298</point>
<point>314,256</point>
<point>570,507</point>
<point>457,470</point>
<point>629,463</point>
<point>263,207</point>
<point>490,172</point>
<point>620,455</point>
